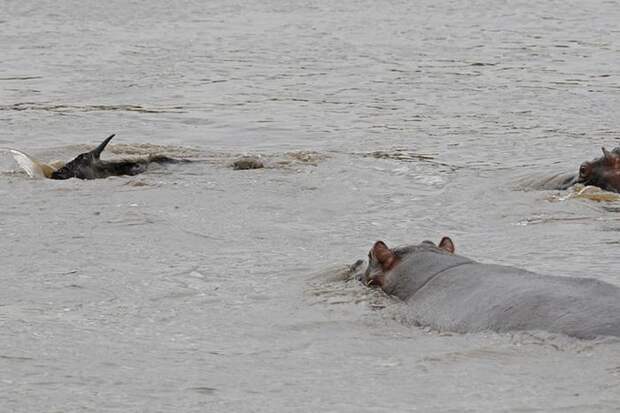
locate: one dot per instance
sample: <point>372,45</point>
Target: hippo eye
<point>584,171</point>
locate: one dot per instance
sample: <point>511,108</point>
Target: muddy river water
<point>195,287</point>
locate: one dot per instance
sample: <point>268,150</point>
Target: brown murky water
<point>197,287</point>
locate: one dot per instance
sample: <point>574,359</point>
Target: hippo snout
<point>357,270</point>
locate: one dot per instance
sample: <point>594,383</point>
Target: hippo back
<point>418,268</point>
<point>475,297</point>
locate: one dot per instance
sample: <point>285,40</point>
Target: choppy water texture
<point>199,288</point>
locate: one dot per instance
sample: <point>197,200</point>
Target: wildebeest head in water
<point>86,165</point>
<point>603,172</point>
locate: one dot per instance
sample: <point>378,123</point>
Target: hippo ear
<point>607,154</point>
<point>446,244</point>
<point>384,255</point>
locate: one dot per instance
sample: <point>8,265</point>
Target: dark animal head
<point>83,165</point>
<point>382,259</point>
<point>603,172</point>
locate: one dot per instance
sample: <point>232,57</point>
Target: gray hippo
<point>453,293</point>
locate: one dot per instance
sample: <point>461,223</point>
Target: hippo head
<point>603,172</point>
<point>382,259</point>
<point>83,165</point>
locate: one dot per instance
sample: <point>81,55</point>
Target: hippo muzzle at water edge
<point>603,172</point>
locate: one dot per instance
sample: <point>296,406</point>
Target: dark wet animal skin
<point>453,293</point>
<point>88,165</point>
<point>603,172</point>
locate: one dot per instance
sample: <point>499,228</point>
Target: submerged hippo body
<point>559,182</point>
<point>88,165</point>
<point>453,293</point>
